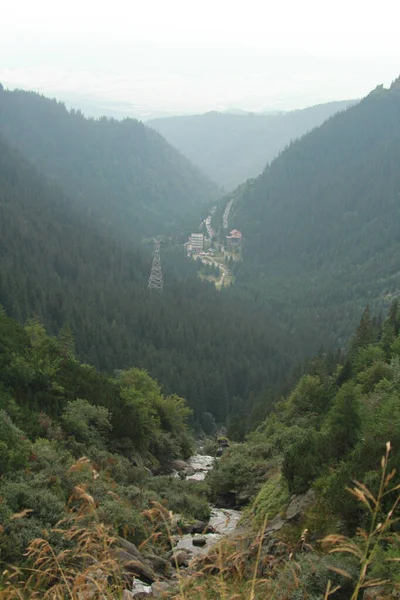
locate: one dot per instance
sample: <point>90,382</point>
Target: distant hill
<point>322,223</point>
<point>122,171</point>
<point>234,146</point>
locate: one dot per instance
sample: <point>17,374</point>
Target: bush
<point>189,498</point>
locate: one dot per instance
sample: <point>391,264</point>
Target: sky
<point>152,58</point>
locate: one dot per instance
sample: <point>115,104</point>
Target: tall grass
<point>87,567</point>
<point>366,544</point>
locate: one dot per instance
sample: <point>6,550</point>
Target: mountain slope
<point>321,224</point>
<point>63,267</point>
<point>230,148</point>
<point>121,170</point>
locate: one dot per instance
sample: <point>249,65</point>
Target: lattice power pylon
<point>155,279</point>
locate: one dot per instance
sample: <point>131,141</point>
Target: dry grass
<point>84,569</point>
<point>235,569</point>
<point>367,543</point>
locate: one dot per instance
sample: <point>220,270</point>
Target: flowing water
<point>223,520</point>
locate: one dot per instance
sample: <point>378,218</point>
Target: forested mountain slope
<point>121,170</point>
<point>230,148</point>
<point>321,224</point>
<point>57,264</point>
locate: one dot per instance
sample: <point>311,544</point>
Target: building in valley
<point>196,243</point>
<point>234,240</point>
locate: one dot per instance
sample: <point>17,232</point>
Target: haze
<point>154,58</point>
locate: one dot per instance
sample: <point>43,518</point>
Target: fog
<point>153,58</point>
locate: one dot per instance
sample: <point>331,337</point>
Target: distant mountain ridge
<point>121,170</point>
<point>233,146</point>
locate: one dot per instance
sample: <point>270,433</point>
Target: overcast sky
<point>152,57</point>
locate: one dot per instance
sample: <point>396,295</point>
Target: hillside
<point>122,171</point>
<point>321,224</point>
<point>231,148</point>
<point>64,268</point>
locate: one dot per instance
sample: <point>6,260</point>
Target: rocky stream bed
<point>186,546</point>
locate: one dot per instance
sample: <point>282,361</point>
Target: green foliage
<point>121,171</point>
<point>343,423</point>
<point>88,424</point>
<point>60,262</point>
<point>320,227</point>
<point>14,447</point>
<point>122,425</point>
<point>272,499</point>
<point>243,467</point>
<point>188,498</point>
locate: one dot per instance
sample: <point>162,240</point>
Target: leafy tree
<point>88,424</point>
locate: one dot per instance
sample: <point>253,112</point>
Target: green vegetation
<point>121,172</point>
<point>55,410</point>
<point>329,430</point>
<point>320,224</point>
<point>60,265</point>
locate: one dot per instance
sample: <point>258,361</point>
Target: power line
<point>156,279</point>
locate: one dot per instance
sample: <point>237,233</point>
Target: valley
<point>232,432</point>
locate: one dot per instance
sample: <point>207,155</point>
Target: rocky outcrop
<point>299,505</point>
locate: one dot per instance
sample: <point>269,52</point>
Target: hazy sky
<point>151,57</point>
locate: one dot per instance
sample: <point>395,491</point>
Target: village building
<point>234,240</point>
<point>196,243</point>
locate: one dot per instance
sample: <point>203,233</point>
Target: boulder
<point>157,563</point>
<point>141,590</point>
<point>243,498</point>
<point>376,593</point>
<point>180,559</point>
<point>160,589</point>
<point>199,541</point>
<point>127,595</point>
<point>140,570</point>
<point>223,443</point>
<point>129,548</point>
<point>199,527</point>
<point>177,465</point>
<point>274,525</point>
<point>299,505</point>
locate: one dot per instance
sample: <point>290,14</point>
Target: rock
<point>177,465</point>
<point>140,570</point>
<point>226,500</point>
<point>160,588</point>
<point>223,443</point>
<point>243,498</point>
<point>299,504</point>
<point>129,548</point>
<point>199,541</point>
<point>189,470</point>
<point>199,527</point>
<point>179,559</point>
<point>274,525</point>
<point>157,563</point>
<point>127,595</point>
<point>141,590</point>
<point>375,593</point>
